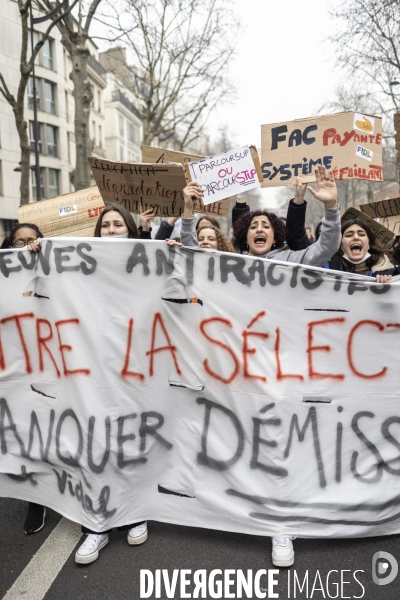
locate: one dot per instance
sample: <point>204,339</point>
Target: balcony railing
<point>117,96</point>
<point>96,66</point>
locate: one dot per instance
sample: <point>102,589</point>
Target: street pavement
<point>116,574</point>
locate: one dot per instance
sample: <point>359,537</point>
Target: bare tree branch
<point>178,53</point>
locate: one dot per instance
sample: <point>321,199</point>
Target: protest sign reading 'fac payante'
<point>219,391</point>
<point>156,186</point>
<point>348,143</point>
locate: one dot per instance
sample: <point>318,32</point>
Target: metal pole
<point>35,121</point>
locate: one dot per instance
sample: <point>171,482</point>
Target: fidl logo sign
<point>68,210</point>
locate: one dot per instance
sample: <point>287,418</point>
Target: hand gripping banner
<point>200,388</point>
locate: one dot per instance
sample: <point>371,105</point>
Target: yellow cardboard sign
<point>348,143</point>
<point>70,215</point>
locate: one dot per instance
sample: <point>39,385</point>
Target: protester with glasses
<point>23,234</point>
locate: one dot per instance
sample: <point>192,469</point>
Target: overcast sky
<point>284,69</point>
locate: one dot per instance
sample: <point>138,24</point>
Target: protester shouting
<point>360,251</point>
<point>262,234</point>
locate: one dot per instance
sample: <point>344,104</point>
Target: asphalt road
<point>116,574</point>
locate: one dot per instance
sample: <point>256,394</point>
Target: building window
<point>8,224</point>
<point>35,41</point>
<point>47,53</point>
<point>49,183</point>
<point>45,95</point>
<point>47,139</point>
<point>32,136</point>
<point>133,134</point>
<point>49,97</point>
<point>100,137</point>
<point>30,92</point>
<point>66,106</point>
<point>51,139</point>
<point>54,188</point>
<point>98,101</point>
<point>42,192</point>
<point>94,132</point>
<point>69,147</point>
<point>121,126</point>
<point>121,153</point>
<point>1,180</point>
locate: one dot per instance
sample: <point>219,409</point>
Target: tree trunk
<point>83,96</point>
<point>25,155</point>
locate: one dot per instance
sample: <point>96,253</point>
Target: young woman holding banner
<point>116,222</point>
<point>360,251</point>
<point>21,235</point>
<point>262,234</point>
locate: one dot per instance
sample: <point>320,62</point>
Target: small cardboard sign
<point>386,213</point>
<point>382,209</point>
<point>348,143</point>
<point>70,215</point>
<point>382,233</point>
<point>159,155</point>
<point>225,174</point>
<point>158,186</point>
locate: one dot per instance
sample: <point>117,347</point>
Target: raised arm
<point>188,231</point>
<point>166,228</point>
<point>296,236</point>
<point>329,242</point>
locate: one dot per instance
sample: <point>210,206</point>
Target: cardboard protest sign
<point>383,234</point>
<point>252,390</point>
<point>225,174</point>
<point>156,186</point>
<point>73,214</point>
<point>386,212</point>
<point>348,143</point>
<point>159,155</point>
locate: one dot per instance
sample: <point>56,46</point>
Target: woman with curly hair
<point>211,237</point>
<point>205,236</point>
<point>262,234</point>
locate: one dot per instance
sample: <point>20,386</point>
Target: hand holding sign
<point>145,217</point>
<point>301,189</point>
<point>327,190</point>
<point>191,193</point>
<point>35,246</point>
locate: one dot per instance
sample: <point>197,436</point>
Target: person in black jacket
<point>360,251</point>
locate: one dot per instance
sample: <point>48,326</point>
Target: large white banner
<point>199,388</point>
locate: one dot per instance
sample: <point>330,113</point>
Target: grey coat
<point>316,255</point>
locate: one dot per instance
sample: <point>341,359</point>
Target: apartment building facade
<point>115,124</point>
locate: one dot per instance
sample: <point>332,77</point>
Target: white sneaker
<point>282,551</point>
<point>138,534</point>
<point>89,551</point>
